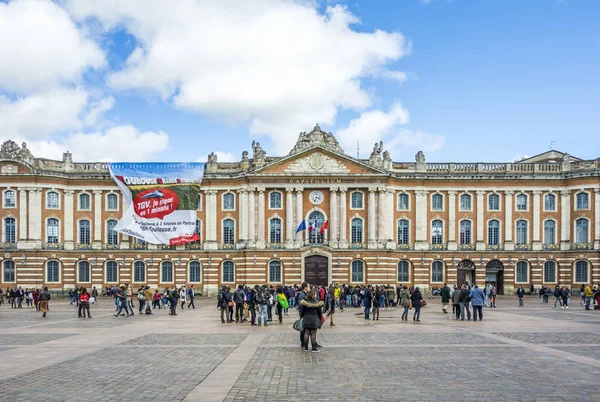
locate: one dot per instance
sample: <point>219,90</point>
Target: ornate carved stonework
<point>10,150</point>
<point>316,137</point>
<point>317,163</point>
<point>9,169</point>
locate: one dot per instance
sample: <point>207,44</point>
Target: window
<point>493,233</point>
<point>8,268</point>
<point>549,232</point>
<point>316,218</point>
<point>437,202</point>
<point>275,200</point>
<point>521,232</point>
<point>403,231</point>
<point>582,201</point>
<point>199,202</point>
<point>465,232</point>
<point>139,271</point>
<point>10,230</point>
<point>111,271</point>
<point>521,202</point>
<point>403,271</point>
<point>437,232</point>
<point>166,271</point>
<point>228,202</point>
<point>228,231</point>
<point>84,201</point>
<point>52,200</point>
<point>356,200</point>
<point>112,202</point>
<point>195,272</point>
<point>581,230</point>
<point>228,271</point>
<point>522,272</point>
<point>10,199</point>
<point>550,202</point>
<point>494,202</point>
<point>465,202</point>
<point>437,271</point>
<point>52,230</point>
<point>112,237</point>
<point>358,271</point>
<point>84,232</point>
<point>550,272</point>
<point>52,271</point>
<point>403,202</point>
<point>275,230</point>
<point>83,271</point>
<point>581,272</point>
<point>275,271</point>
<point>357,230</point>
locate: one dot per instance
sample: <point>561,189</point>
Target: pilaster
<point>371,220</point>
<point>452,220</point>
<point>565,220</point>
<point>68,219</point>
<point>421,240</point>
<point>97,219</point>
<point>211,220</point>
<point>597,219</point>
<point>381,218</point>
<point>480,244</point>
<point>508,221</point>
<point>251,218</point>
<point>22,217</point>
<point>243,215</point>
<point>299,216</point>
<point>289,218</point>
<point>261,219</point>
<point>35,218</point>
<point>389,221</point>
<point>537,244</point>
<point>333,218</point>
<point>343,243</point>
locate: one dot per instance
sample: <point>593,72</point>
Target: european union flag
<point>301,227</point>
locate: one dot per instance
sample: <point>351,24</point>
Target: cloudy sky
<point>159,80</point>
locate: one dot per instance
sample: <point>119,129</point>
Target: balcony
<point>441,246</point>
<point>405,246</point>
<point>523,247</point>
<point>227,246</point>
<point>83,246</point>
<point>110,246</point>
<point>494,247</point>
<point>8,246</point>
<point>52,246</point>
<point>582,246</point>
<point>165,247</point>
<point>466,247</point>
<point>358,245</point>
<point>320,243</point>
<point>551,247</point>
<point>274,246</point>
<point>140,246</point>
<point>194,246</point>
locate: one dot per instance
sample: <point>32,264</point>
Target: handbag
<point>299,325</point>
<point>410,304</point>
<point>92,300</point>
<point>230,304</point>
<point>423,303</point>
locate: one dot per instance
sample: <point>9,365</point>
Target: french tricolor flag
<point>312,227</point>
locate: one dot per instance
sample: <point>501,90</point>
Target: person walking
<point>417,300</point>
<point>252,305</point>
<point>445,296</point>
<point>588,296</point>
<point>493,293</point>
<point>84,302</point>
<point>191,297</point>
<point>564,295</point>
<point>238,298</point>
<point>173,300</point>
<point>464,303</point>
<point>45,297</point>
<point>148,295</point>
<point>488,293</point>
<point>456,310</point>
<point>404,300</point>
<point>477,299</point>
<point>329,307</point>
<point>557,298</point>
<point>312,319</point>
<point>368,301</point>
<point>94,295</point>
<point>262,299</point>
<point>582,294</point>
<point>304,290</point>
<point>521,295</point>
<point>121,294</point>
<point>282,303</point>
<point>377,302</point>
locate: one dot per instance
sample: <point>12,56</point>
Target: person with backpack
<point>456,302</point>
<point>191,297</point>
<point>121,294</point>
<point>477,299</point>
<point>404,301</point>
<point>377,302</point>
<point>329,307</point>
<point>45,297</point>
<point>521,295</point>
<point>262,299</point>
<point>252,305</point>
<point>445,296</point>
<point>464,300</point>
<point>84,302</point>
<point>417,302</point>
<point>282,303</point>
<point>312,319</point>
<point>238,298</point>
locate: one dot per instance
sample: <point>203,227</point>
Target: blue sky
<point>461,80</point>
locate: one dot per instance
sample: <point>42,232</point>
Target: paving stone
<point>188,339</point>
<point>553,337</point>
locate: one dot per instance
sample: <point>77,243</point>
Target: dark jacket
<point>416,298</point>
<point>329,302</point>
<point>239,296</point>
<point>445,294</point>
<point>456,296</point>
<point>311,314</point>
<point>464,296</point>
<point>368,298</point>
<point>520,292</point>
<point>377,298</point>
<point>252,300</point>
<point>45,295</point>
<point>301,297</point>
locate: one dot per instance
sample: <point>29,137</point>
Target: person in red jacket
<point>84,300</point>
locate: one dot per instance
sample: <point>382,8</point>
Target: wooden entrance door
<point>316,270</point>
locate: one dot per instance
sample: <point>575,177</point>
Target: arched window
<point>465,232</point>
<point>52,230</point>
<point>84,202</point>
<point>52,271</point>
<point>550,272</point>
<point>195,271</point>
<point>437,271</point>
<point>139,271</point>
<point>521,232</point>
<point>111,272</point>
<point>358,271</point>
<point>494,202</point>
<point>228,231</point>
<point>275,230</point>
<point>521,202</point>
<point>403,231</point>
<point>437,202</point>
<point>228,272</point>
<point>465,202</point>
<point>493,232</point>
<point>549,232</point>
<point>84,232</point>
<point>8,268</point>
<point>275,200</point>
<point>582,201</point>
<point>403,202</point>
<point>52,200</point>
<point>10,199</point>
<point>112,202</point>
<point>549,202</point>
<point>581,230</point>
<point>437,232</point>
<point>357,230</point>
<point>228,202</point>
<point>275,271</point>
<point>83,271</point>
<point>166,271</point>
<point>316,218</point>
<point>112,237</point>
<point>10,230</point>
<point>522,275</point>
<point>403,271</point>
<point>356,200</point>
<point>581,272</point>
<point>199,202</point>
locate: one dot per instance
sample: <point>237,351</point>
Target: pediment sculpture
<point>317,163</point>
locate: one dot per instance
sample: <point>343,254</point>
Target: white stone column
<point>211,242</point>
<point>243,216</point>
<point>333,218</point>
<point>251,218</point>
<point>289,218</point>
<point>22,215</point>
<point>97,244</point>
<point>299,216</point>
<point>422,226</point>
<point>261,219</point>
<point>68,221</point>
<point>536,225</point>
<point>508,221</point>
<point>452,220</point>
<point>565,220</point>
<point>35,218</point>
<point>372,219</point>
<point>597,219</point>
<point>480,244</point>
<point>343,243</point>
<point>381,217</point>
<point>388,218</point>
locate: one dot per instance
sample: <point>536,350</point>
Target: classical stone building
<point>533,222</point>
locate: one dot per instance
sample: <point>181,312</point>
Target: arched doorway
<point>494,274</point>
<point>317,218</point>
<point>316,270</point>
<point>466,272</point>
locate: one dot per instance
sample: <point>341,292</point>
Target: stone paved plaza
<point>529,353</point>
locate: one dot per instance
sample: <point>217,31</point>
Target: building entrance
<point>316,270</point>
<point>494,274</point>
<point>466,273</point>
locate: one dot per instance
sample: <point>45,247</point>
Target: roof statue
<point>258,154</point>
<point>316,137</point>
<point>10,150</point>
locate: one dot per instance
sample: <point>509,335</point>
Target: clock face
<point>316,197</point>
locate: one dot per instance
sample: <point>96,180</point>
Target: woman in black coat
<point>312,318</point>
<point>416,302</point>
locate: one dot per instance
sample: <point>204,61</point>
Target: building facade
<point>534,222</point>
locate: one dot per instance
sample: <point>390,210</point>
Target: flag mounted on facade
<point>312,227</point>
<point>325,226</point>
<point>301,227</point>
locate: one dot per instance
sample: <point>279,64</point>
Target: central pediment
<point>317,162</point>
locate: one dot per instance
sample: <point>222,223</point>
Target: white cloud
<point>222,157</point>
<point>417,140</point>
<point>41,47</point>
<point>97,110</point>
<point>276,65</point>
